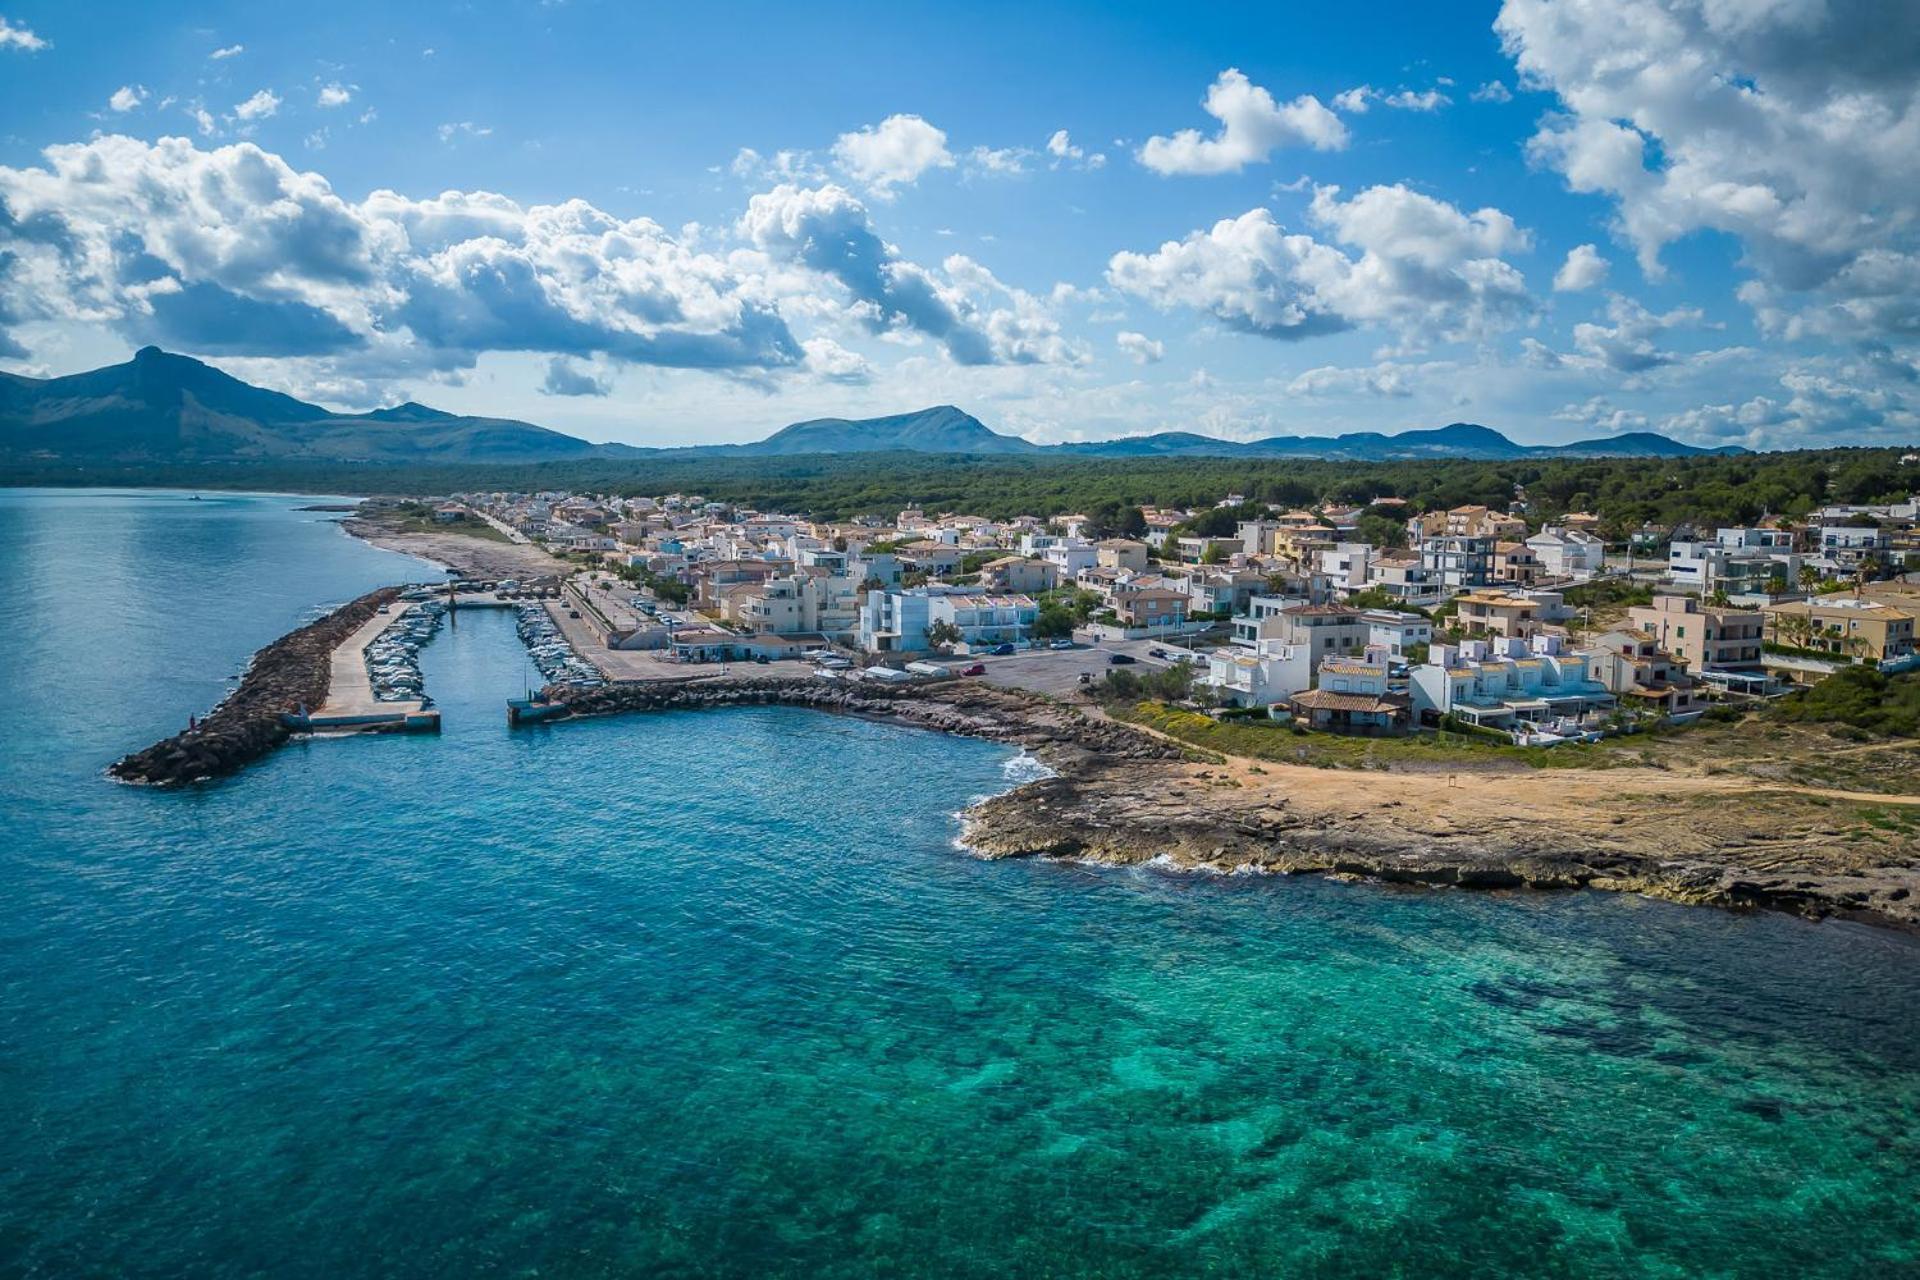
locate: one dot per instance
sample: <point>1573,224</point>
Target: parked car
<point>1156,653</point>
<point>1061,643</point>
<point>1002,650</point>
<point>1121,659</point>
<point>762,659</point>
<point>977,669</point>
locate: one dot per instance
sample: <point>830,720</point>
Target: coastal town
<point>1531,630</point>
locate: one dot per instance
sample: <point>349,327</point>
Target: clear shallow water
<point>715,995</point>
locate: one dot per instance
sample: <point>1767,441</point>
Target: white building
<point>1568,553</point>
<point>1739,561</point>
<point>1507,683</point>
<point>1397,632</point>
<point>897,620</point>
<point>1348,565</point>
<point>1271,671</point>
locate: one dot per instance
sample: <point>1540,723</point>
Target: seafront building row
<point>1463,617</point>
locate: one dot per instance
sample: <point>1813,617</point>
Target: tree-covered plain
<point>1625,492</point>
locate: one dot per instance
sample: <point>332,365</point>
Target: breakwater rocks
<point>291,672</point>
<point>1062,736</point>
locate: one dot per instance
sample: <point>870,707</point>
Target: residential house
<point>1515,563</point>
<point>1397,632</point>
<point>1352,696</point>
<point>1458,561</point>
<point>1507,684</point>
<point>1848,546</point>
<point>1120,553</point>
<point>1403,575</point>
<point>1466,522</point>
<point>1567,552</point>
<point>897,620</point>
<point>1269,673</point>
<point>1635,669</point>
<point>1348,565</point>
<point>1737,562</point>
<point>1019,574</point>
<point>1154,608</point>
<point>1497,614</point>
<point>1197,550</point>
<point>1327,630</point>
<point>1706,638</point>
<point>1850,626</point>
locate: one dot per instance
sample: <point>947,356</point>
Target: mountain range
<point>164,408</point>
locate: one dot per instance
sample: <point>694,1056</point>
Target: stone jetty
<point>288,674</point>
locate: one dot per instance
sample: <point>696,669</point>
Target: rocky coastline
<point>1120,796</point>
<point>290,673</point>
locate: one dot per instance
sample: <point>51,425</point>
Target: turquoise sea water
<point>715,995</point>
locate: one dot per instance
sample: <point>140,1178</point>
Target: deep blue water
<point>715,995</point>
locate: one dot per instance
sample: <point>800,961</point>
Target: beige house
<point>1019,574</point>
<point>1120,553</point>
<point>1705,638</point>
<point>1151,607</point>
<point>1856,628</point>
<point>1642,674</point>
<point>1495,613</point>
<point>1515,562</point>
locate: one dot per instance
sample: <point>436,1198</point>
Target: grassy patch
<point>1271,740</point>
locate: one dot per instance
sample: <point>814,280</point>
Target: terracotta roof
<point>1327,700</point>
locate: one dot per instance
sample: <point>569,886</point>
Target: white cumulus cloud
<point>892,153</point>
<point>230,251</point>
<point>1413,264</point>
<point>1583,269</point>
<point>334,95</point>
<point>127,97</point>
<point>260,106</point>
<point>1139,348</point>
<point>20,37</point>
<point>1252,127</point>
<point>1791,125</point>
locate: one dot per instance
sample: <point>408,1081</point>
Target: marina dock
<point>351,704</point>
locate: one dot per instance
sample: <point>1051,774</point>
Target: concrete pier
<point>350,703</point>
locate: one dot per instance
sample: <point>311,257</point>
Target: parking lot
<point>1057,671</point>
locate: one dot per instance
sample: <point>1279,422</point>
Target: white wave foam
<point>1025,768</point>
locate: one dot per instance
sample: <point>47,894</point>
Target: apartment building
<point>1704,637</point>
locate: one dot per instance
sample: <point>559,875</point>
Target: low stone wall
<point>291,672</point>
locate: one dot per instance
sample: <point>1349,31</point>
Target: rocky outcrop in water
<point>292,672</point>
<point>1121,796</point>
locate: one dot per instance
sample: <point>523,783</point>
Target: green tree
<point>1052,621</point>
<point>943,635</point>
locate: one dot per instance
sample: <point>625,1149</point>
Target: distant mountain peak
<point>943,428</point>
<point>411,411</point>
<point>163,407</point>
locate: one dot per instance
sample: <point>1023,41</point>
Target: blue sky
<point>1564,220</point>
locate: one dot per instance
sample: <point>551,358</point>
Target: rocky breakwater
<point>288,674</point>
<point>1064,737</point>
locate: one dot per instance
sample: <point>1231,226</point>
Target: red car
<point>977,669</point>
